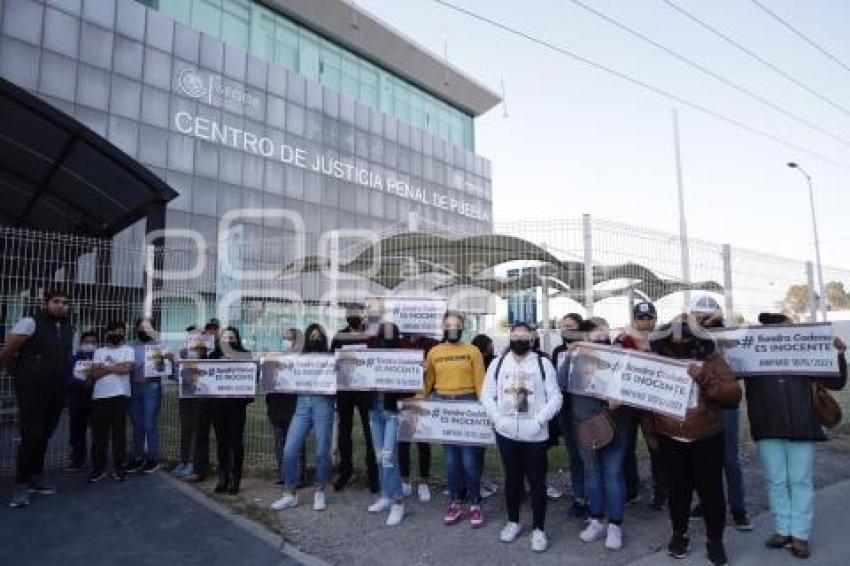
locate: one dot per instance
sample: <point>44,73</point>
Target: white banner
<point>156,365</point>
<point>779,350</point>
<point>217,378</point>
<point>81,368</point>
<point>380,370</point>
<point>646,381</point>
<point>412,315</point>
<point>311,374</point>
<point>445,422</point>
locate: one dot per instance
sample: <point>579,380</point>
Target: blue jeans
<point>145,402</point>
<point>603,477</point>
<point>384,426</point>
<point>463,464</point>
<point>311,411</point>
<point>732,461</point>
<point>788,469</point>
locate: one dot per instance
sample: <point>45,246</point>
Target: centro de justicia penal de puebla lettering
<point>263,146</point>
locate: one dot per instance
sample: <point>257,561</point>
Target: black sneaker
<point>659,502</point>
<point>151,466</point>
<point>74,467</point>
<point>134,466</point>
<point>118,475</point>
<point>96,475</point>
<point>679,546</point>
<point>716,553</point>
<point>343,481</point>
<point>21,496</point>
<point>696,512</point>
<point>800,548</point>
<point>741,520</point>
<point>578,510</point>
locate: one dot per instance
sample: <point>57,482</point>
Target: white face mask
<point>287,345</point>
<point>88,348</point>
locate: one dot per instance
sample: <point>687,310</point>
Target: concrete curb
<point>267,536</point>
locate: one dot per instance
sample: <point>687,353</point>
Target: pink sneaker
<point>453,514</point>
<point>476,517</point>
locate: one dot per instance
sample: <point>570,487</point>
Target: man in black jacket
<point>353,336</point>
<point>785,427</point>
<point>38,352</point>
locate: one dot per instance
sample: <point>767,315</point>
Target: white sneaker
<point>614,540</point>
<point>553,492</point>
<point>396,514</point>
<point>380,505</point>
<point>510,531</point>
<point>406,490</point>
<point>285,502</point>
<point>539,542</point>
<point>593,531</point>
<point>319,503</point>
<point>424,492</point>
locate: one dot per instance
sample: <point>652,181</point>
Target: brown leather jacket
<point>718,390</point>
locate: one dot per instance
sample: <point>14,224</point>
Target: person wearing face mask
<point>603,468</point>
<point>521,396</point>
<point>204,346</point>
<point>110,372</point>
<point>146,399</point>
<point>693,449</point>
<point>706,313</point>
<point>383,419</point>
<point>560,359</point>
<point>636,337</point>
<point>80,404</point>
<point>353,336</point>
<point>228,417</point>
<point>280,408</point>
<point>37,352</point>
<point>311,412</point>
<point>455,371</point>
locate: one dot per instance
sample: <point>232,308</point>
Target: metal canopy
<point>468,261</point>
<point>58,175</point>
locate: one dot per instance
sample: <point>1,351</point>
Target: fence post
<point>544,312</point>
<point>588,264</point>
<point>810,295</point>
<point>726,255</point>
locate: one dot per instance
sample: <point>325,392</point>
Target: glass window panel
<point>60,32</point>
<point>153,147</point>
<point>179,10</point>
<point>58,76</point>
<point>93,88</point>
<point>206,16</point>
<point>236,23</point>
<point>308,51</point>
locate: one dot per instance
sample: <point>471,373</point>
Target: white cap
<point>705,305</point>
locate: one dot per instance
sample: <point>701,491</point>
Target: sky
<point>577,140</point>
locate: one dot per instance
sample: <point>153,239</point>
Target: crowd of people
<point>523,390</point>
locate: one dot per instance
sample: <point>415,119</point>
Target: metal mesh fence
<point>533,271</point>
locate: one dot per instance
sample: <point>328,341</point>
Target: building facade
<point>312,107</point>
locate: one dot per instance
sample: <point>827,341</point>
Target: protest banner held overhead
<point>312,374</point>
<point>412,315</point>
<point>645,381</point>
<point>380,370</point>
<point>787,349</point>
<point>217,378</point>
<point>444,422</point>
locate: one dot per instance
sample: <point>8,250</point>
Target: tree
<point>836,296</point>
<point>796,299</point>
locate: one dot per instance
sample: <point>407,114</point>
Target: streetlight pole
<point>821,289</point>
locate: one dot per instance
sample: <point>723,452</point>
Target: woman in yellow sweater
<point>454,371</point>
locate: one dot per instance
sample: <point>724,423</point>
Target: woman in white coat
<point>521,396</point>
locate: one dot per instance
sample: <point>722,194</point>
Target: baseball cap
<point>645,309</point>
<point>705,305</point>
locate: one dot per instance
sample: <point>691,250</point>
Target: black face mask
<point>354,322</point>
<point>314,345</point>
<point>143,336</point>
<point>452,335</point>
<point>520,347</point>
<point>114,339</point>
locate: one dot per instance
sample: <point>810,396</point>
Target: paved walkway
<point>830,543</point>
<point>143,521</point>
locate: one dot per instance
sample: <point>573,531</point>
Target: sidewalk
<point>830,543</point>
<point>143,521</point>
